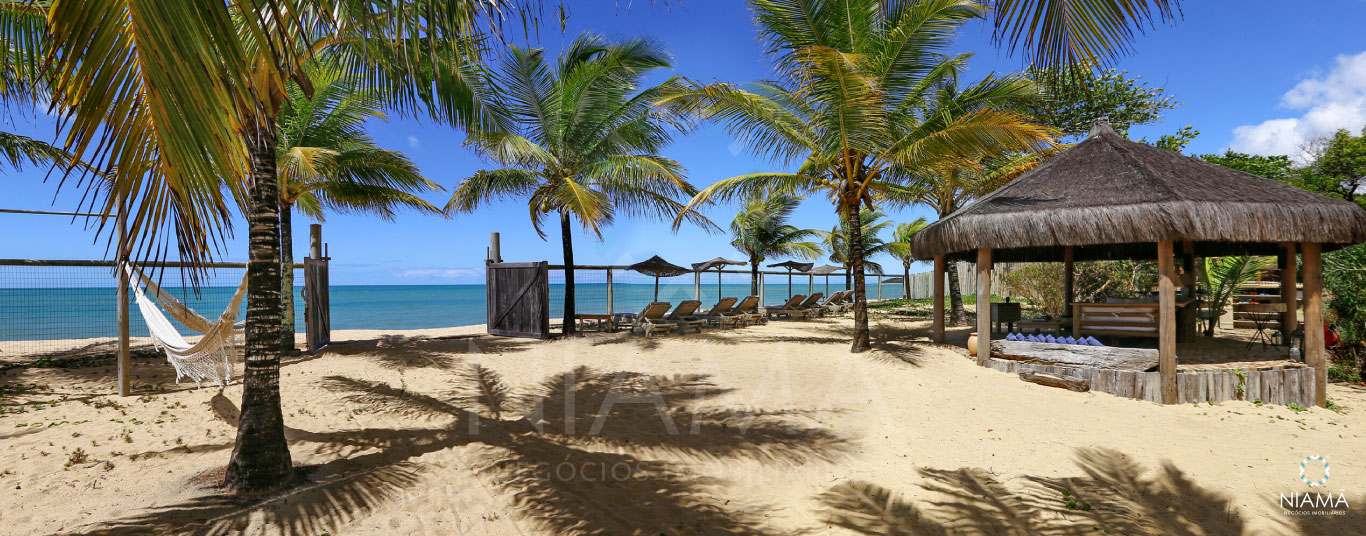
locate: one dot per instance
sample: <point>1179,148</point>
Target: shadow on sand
<point>1118,496</point>
<point>576,456</point>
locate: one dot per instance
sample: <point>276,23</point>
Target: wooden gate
<point>317,313</point>
<point>518,299</point>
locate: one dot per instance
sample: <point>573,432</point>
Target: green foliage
<point>1339,169</point>
<point>1296,407</point>
<point>1343,371</point>
<point>872,223</point>
<point>900,246</point>
<point>1274,167</point>
<point>1041,283</point>
<point>1344,279</point>
<point>1078,97</point>
<point>1175,142</point>
<point>760,230</point>
<point>1223,275</point>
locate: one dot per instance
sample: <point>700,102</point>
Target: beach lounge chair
<point>789,309</point>
<point>650,319</point>
<point>812,305</point>
<point>832,302</point>
<point>845,302</point>
<point>721,314</point>
<point>685,316</point>
<point>748,311</point>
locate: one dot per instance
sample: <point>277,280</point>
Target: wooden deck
<point>1132,372</point>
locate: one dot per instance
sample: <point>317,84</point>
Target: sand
<point>773,429</point>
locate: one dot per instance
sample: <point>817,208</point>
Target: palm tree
<point>1222,277</point>
<point>326,162</point>
<point>853,100</point>
<point>871,225</point>
<point>760,230</point>
<point>178,102</point>
<point>586,142</point>
<point>900,247</point>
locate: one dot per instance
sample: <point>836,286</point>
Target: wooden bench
<point>1117,319</point>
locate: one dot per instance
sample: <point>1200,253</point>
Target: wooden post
<point>810,284</point>
<point>1166,330</point>
<point>610,319</point>
<point>1313,320</point>
<point>495,248</point>
<point>315,240</point>
<point>983,305</point>
<point>763,296</point>
<point>697,285</point>
<point>938,299</point>
<point>879,286</point>
<point>1069,279</point>
<point>1186,315</point>
<point>125,361</point>
<point>1289,294</point>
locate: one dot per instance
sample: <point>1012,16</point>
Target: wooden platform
<point>1131,373</point>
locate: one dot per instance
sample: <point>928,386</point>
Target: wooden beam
<point>1289,294</point>
<point>125,362</point>
<point>938,299</point>
<point>1069,279</point>
<point>983,305</point>
<point>1186,316</point>
<point>1313,321</point>
<point>1166,340</point>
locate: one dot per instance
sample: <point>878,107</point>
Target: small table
<point>1262,315</point>
<point>598,321</point>
<point>1056,325</point>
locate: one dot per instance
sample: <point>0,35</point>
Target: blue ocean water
<point>77,313</point>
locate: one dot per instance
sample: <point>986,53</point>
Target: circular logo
<point>1305,478</point>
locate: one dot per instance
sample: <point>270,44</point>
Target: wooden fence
<point>1279,386</point>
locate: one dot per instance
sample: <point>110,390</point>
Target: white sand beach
<point>772,429</point>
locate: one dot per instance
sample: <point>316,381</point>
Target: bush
<point>1041,283</point>
<point>1344,280</point>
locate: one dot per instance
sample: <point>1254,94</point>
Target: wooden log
<point>1313,321</point>
<point>1076,355</point>
<point>1166,346</point>
<point>1071,384</point>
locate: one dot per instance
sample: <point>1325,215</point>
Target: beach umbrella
<point>658,268</point>
<point>825,270</point>
<point>792,265</point>
<point>719,264</point>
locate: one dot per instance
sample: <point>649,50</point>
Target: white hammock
<point>203,360</point>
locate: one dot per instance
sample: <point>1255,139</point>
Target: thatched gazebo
<point>1111,198</point>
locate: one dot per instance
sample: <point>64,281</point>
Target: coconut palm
<point>327,163</point>
<point>853,99</point>
<point>837,241</point>
<point>1223,276</point>
<point>900,247</point>
<point>586,141</point>
<point>760,230</point>
<point>178,102</point>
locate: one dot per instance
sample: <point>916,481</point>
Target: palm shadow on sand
<point>615,485</point>
<point>1118,496</point>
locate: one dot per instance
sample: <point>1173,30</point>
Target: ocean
<point>28,314</point>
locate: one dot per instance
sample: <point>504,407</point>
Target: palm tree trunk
<point>906,280</point>
<point>861,340</point>
<point>260,458</point>
<point>567,237</point>
<point>957,315</point>
<point>286,279</point>
<point>753,276</point>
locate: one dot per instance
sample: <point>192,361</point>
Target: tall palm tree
<point>585,143</point>
<point>900,247</point>
<point>327,163</point>
<point>178,102</point>
<point>760,230</point>
<point>871,225</point>
<point>852,100</point>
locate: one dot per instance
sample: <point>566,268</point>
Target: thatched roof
<point>793,265</point>
<point>658,267</point>
<point>1113,198</point>
<point>718,262</point>
<point>825,269</point>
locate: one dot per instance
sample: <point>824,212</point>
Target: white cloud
<point>414,143</point>
<point>440,273</point>
<point>1331,101</point>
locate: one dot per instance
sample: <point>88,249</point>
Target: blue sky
<point>1260,76</point>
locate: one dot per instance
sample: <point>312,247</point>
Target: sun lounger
<point>788,309</point>
<point>721,314</point>
<point>748,311</point>
<point>832,302</point>
<point>651,319</point>
<point>812,304</point>
<point>684,316</point>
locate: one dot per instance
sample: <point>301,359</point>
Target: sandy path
<point>773,429</point>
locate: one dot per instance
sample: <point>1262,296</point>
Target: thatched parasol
<point>825,270</point>
<point>719,264</point>
<point>1111,198</point>
<point>658,268</point>
<point>792,265</point>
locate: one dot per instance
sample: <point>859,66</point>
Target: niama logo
<point>1314,473</point>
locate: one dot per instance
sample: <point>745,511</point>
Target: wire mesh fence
<point>57,312</point>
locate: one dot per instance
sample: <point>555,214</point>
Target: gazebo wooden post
<point>1069,279</point>
<point>1313,321</point>
<point>1166,341</point>
<point>1289,295</point>
<point>938,299</point>
<point>983,305</point>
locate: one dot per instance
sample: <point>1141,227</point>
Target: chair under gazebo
<point>1109,198</point>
